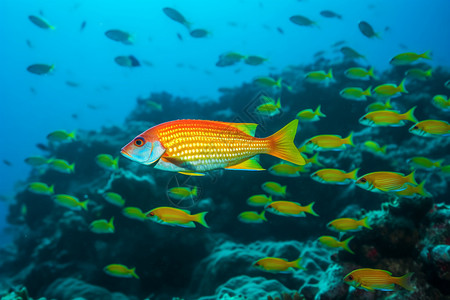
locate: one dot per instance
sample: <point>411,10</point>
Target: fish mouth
<point>125,153</point>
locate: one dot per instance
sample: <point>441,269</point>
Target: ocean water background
<point>182,68</point>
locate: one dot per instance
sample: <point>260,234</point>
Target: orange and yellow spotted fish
<point>196,146</point>
<point>374,279</point>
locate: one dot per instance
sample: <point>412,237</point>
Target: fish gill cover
<point>114,198</point>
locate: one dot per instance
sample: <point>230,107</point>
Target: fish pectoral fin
<point>187,225</point>
<point>192,173</point>
<point>251,164</point>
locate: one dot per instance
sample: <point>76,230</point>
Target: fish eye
<point>269,206</point>
<point>151,214</point>
<point>349,277</point>
<point>256,264</point>
<point>308,142</point>
<point>139,141</point>
<point>363,180</point>
<point>416,127</point>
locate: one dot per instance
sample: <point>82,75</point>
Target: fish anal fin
<point>192,173</point>
<point>250,164</point>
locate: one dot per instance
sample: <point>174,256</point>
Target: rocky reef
<point>55,255</point>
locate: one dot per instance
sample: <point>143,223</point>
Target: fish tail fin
<point>405,281</point>
<point>365,223</point>
<point>84,204</point>
<point>283,190</point>
<point>310,210</point>
<point>111,222</point>
<point>73,135</point>
<point>283,144</point>
<point>133,273</point>
<point>296,264</point>
<point>330,74</point>
<point>409,115</point>
<point>278,83</point>
<point>194,191</point>
<point>411,178</point>
<point>51,189</point>
<point>318,112</point>
<point>421,190</point>
<point>345,245</point>
<point>353,174</point>
<point>116,163</point>
<point>200,218</point>
<point>428,72</point>
<point>278,104</point>
<point>72,168</point>
<point>388,103</point>
<point>426,54</point>
<point>51,27</point>
<point>401,87</point>
<point>372,74</point>
<point>262,215</point>
<point>315,160</point>
<point>438,163</point>
<point>349,140</point>
<point>368,92</point>
<point>383,149</point>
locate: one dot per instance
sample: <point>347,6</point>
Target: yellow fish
<point>259,200</point>
<point>431,128</point>
<point>41,188</point>
<point>379,182</point>
<point>418,74</point>
<point>335,176</point>
<point>355,93</point>
<point>379,106</point>
<point>180,193</point>
<point>61,166</point>
<point>252,217</point>
<point>102,226</point>
<point>134,213</point>
<point>374,279</point>
<point>114,199</point>
<point>268,82</point>
<point>308,115</point>
<point>390,90</point>
<point>319,76</point>
<point>329,142</point>
<point>287,170</point>
<point>442,102</point>
<point>61,136</point>
<point>412,191</point>
<point>313,160</point>
<point>107,162</point>
<point>278,265</point>
<point>274,189</point>
<point>290,209</point>
<point>37,161</point>
<point>375,148</point>
<point>270,108</point>
<point>117,270</point>
<point>359,73</point>
<point>420,162</point>
<point>176,217</point>
<point>332,242</point>
<point>409,57</point>
<point>70,202</point>
<point>348,224</point>
<point>388,118</point>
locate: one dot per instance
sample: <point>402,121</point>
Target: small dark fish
<point>32,90</point>
<point>72,84</point>
<point>180,37</point>
<point>147,63</point>
<point>253,60</point>
<point>39,22</point>
<point>127,61</point>
<point>199,33</point>
<point>176,16</point>
<point>301,20</point>
<point>40,69</point>
<point>351,53</point>
<point>92,106</point>
<point>387,28</point>
<point>29,44</point>
<point>330,14</point>
<point>74,116</point>
<point>280,30</point>
<point>7,162</point>
<point>319,53</point>
<point>338,43</point>
<point>447,84</point>
<point>367,30</point>
<point>42,147</point>
<point>403,46</point>
<point>83,25</point>
<point>120,36</point>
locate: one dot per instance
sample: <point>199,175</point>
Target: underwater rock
<point>70,288</point>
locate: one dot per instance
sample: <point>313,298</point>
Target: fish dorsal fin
<point>248,128</point>
<point>251,164</point>
<point>186,211</point>
<point>390,274</point>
